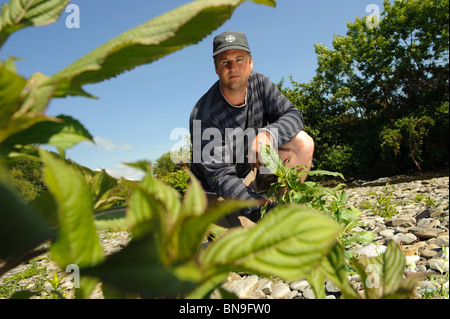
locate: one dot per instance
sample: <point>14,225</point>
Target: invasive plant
<point>289,189</point>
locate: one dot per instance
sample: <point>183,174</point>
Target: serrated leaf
<point>165,34</point>
<point>18,14</point>
<point>62,132</point>
<point>77,241</point>
<point>194,201</point>
<point>101,184</point>
<point>288,242</point>
<point>191,231</point>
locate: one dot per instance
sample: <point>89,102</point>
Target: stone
<point>265,285</point>
<point>292,294</point>
<point>401,222</point>
<point>330,287</point>
<point>370,250</point>
<point>299,285</point>
<point>440,265</point>
<point>280,290</point>
<point>442,241</point>
<point>245,286</point>
<point>309,293</point>
<point>424,233</point>
<point>407,238</point>
<point>423,214</point>
<point>386,233</point>
<point>430,252</point>
<point>412,260</point>
<point>426,252</point>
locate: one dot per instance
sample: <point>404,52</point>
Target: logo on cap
<point>230,38</point>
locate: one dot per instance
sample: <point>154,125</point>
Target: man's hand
<point>261,140</point>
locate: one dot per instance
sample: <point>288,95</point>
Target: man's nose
<point>231,65</point>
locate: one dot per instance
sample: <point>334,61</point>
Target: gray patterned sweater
<point>221,134</point>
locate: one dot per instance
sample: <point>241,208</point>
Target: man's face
<point>233,68</point>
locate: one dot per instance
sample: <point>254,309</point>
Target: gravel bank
<point>420,226</point>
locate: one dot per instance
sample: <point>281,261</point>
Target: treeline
<point>379,102</point>
<point>28,182</point>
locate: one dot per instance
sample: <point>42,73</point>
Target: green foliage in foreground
<point>165,257</point>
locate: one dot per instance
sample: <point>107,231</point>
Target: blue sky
<point>135,112</point>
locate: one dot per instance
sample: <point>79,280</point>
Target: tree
<point>377,78</point>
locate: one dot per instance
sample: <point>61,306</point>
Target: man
<point>242,112</point>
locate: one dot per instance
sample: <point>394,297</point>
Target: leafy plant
<point>382,276</point>
<point>384,206</point>
<point>331,201</point>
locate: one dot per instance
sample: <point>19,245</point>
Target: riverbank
<point>419,225</point>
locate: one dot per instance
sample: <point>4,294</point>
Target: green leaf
<point>137,268</point>
<point>21,229</point>
<point>194,201</point>
<point>316,279</point>
<point>77,241</point>
<point>101,185</point>
<point>382,276</point>
<point>205,289</point>
<point>166,195</point>
<point>23,294</point>
<point>288,242</point>
<point>333,266</point>
<point>143,165</point>
<point>63,132</point>
<point>45,206</point>
<point>140,209</point>
<point>11,86</point>
<point>167,33</point>
<point>18,14</point>
<point>323,172</point>
<point>191,232</point>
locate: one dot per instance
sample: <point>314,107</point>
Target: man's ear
<point>251,62</point>
<point>215,65</point>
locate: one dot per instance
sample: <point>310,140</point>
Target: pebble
<point>422,230</point>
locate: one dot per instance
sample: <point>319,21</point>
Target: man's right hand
<point>261,140</point>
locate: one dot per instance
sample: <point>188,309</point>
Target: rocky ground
<point>419,224</point>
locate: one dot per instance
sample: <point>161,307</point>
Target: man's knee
<point>306,141</point>
<point>302,142</point>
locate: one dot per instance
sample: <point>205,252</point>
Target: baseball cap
<point>230,40</point>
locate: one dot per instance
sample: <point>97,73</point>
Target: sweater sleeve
<point>284,119</point>
<point>208,164</point>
